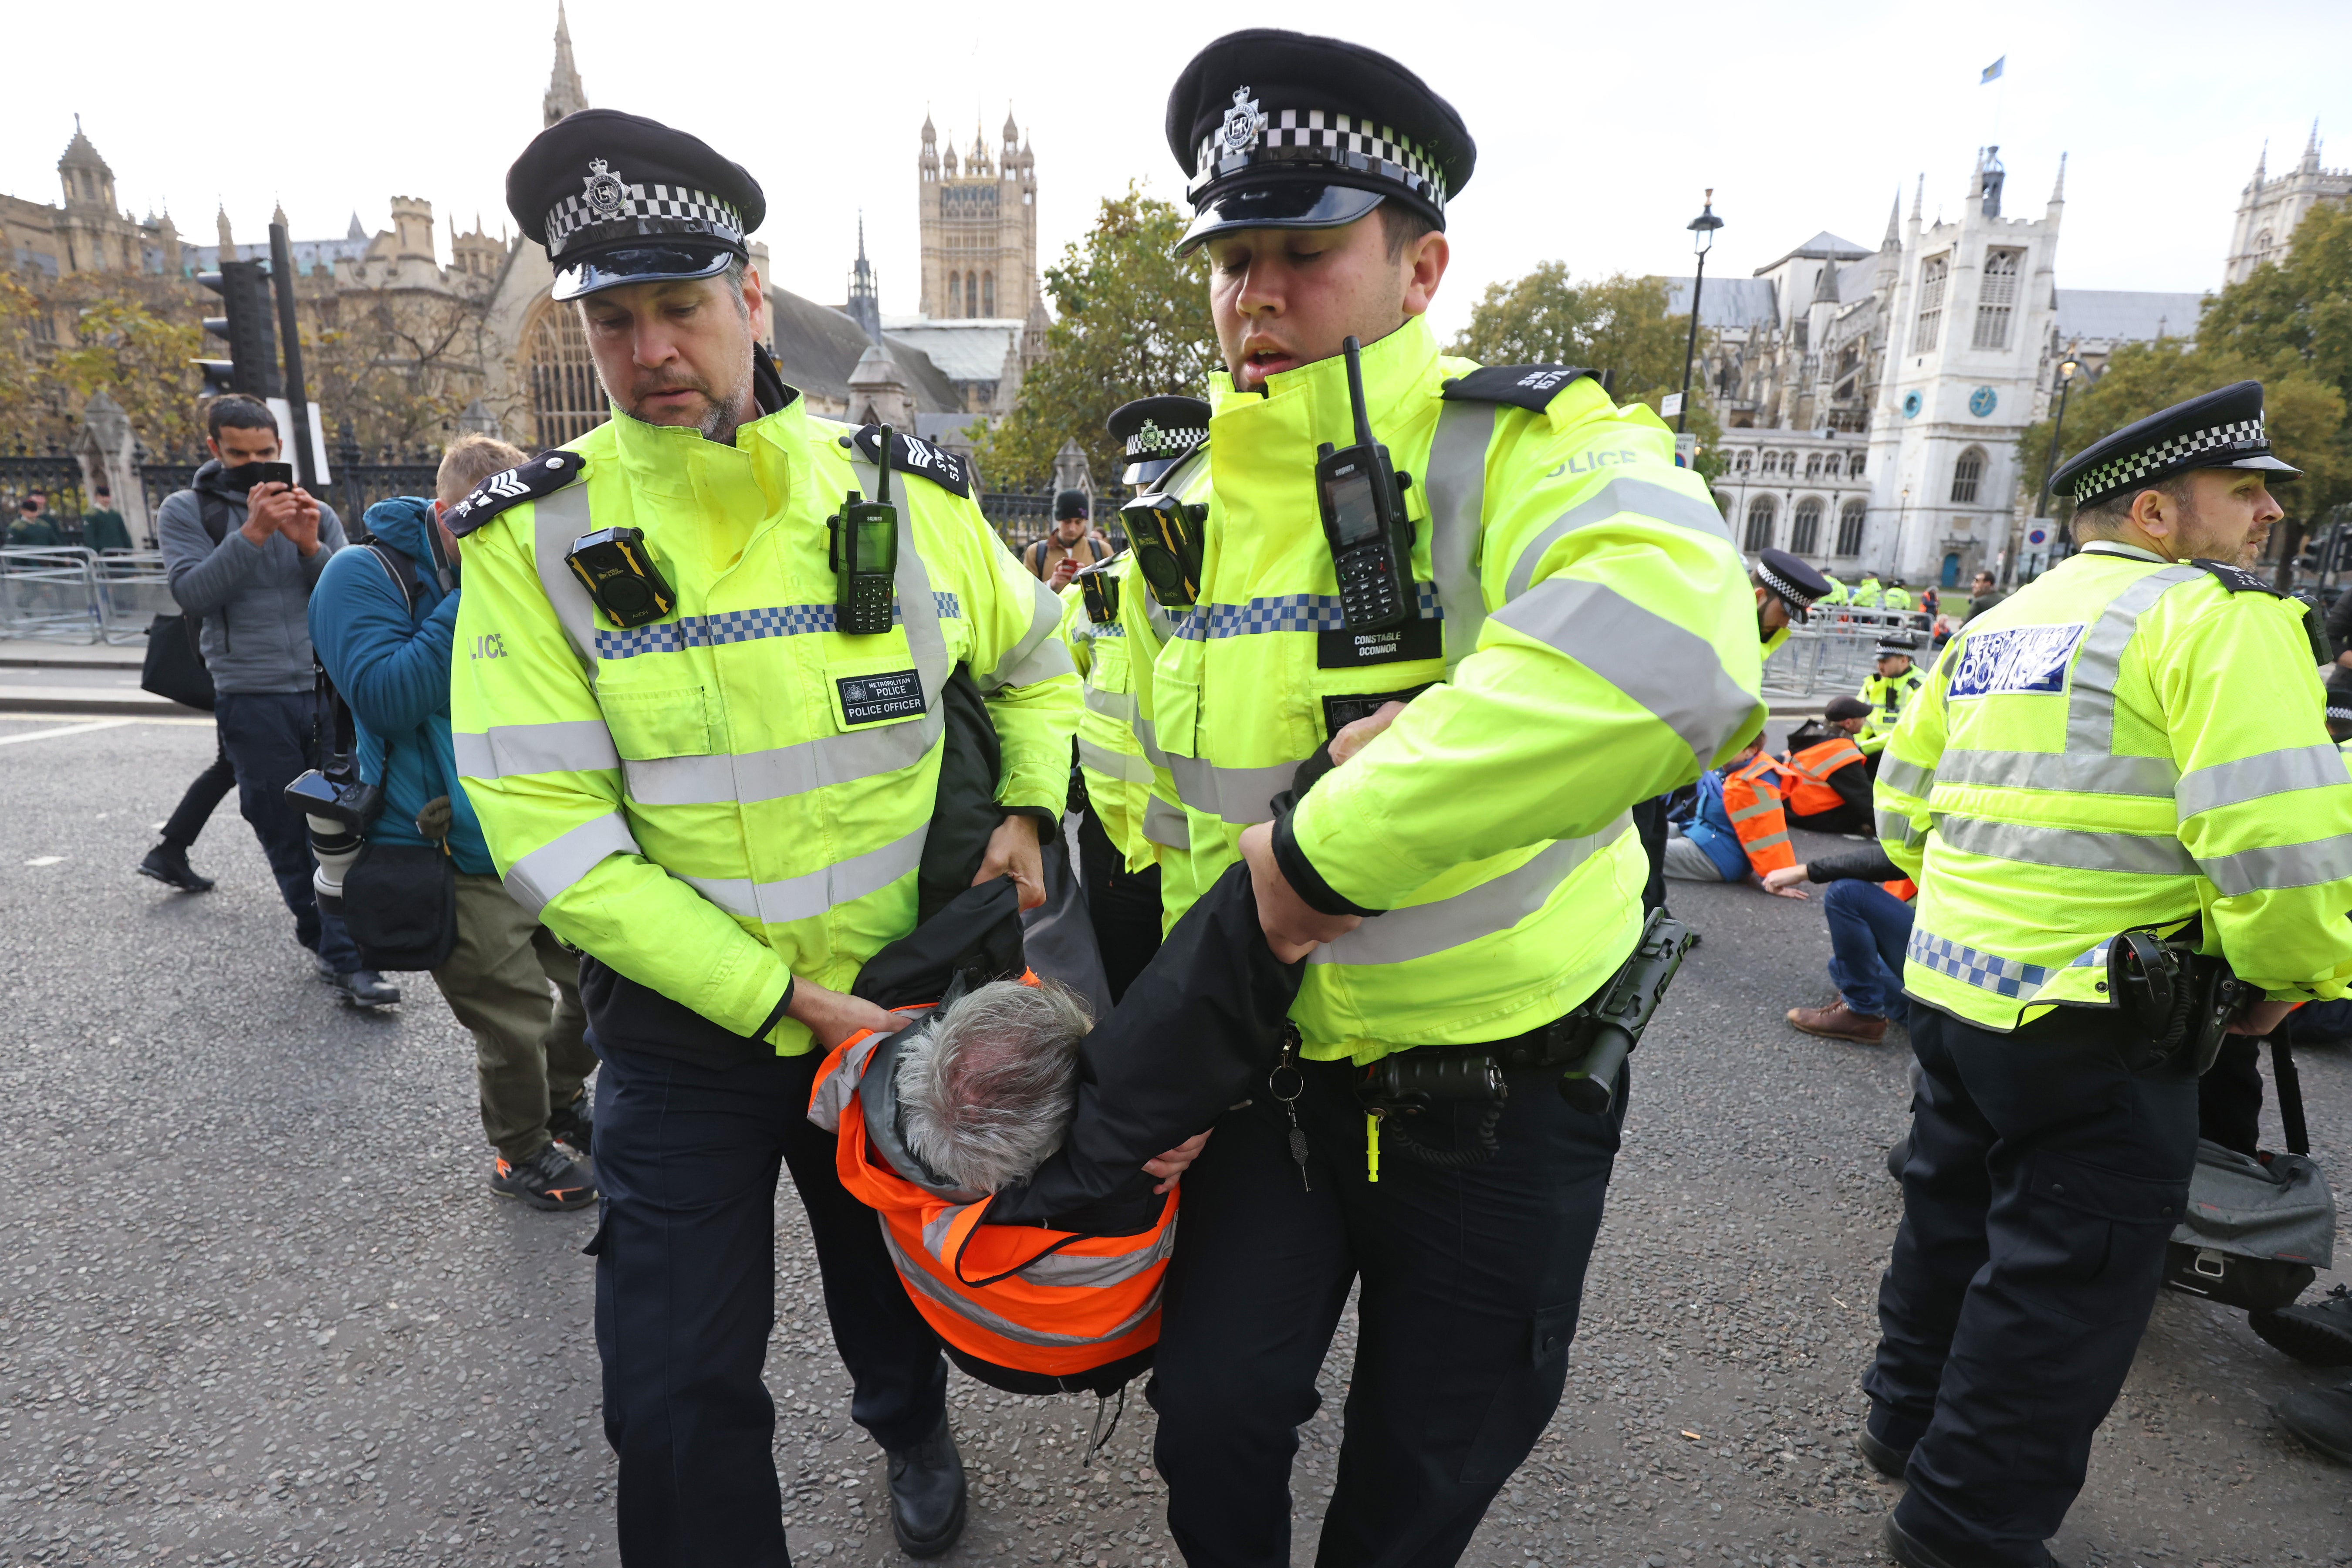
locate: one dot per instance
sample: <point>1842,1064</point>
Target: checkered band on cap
<point>1156,441</point>
<point>2339,708</point>
<point>1783,587</point>
<point>1308,136</point>
<point>2166,456</point>
<point>643,211</point>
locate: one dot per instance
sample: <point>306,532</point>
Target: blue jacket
<point>393,670</point>
<point>1709,828</point>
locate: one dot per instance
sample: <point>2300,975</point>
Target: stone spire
<point>87,180</point>
<point>2261,166</point>
<point>227,242</point>
<point>279,217</point>
<point>2058,190</point>
<point>566,95</point>
<point>864,294</point>
<point>2310,164</point>
<point>1919,198</point>
<point>1894,240</point>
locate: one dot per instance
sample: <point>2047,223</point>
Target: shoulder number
<point>2238,580</point>
<point>912,455</point>
<point>1528,387</point>
<point>542,476</point>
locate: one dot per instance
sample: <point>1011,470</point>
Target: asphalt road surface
<point>256,1306</point>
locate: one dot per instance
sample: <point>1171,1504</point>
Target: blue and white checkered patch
<point>1283,613</point>
<point>739,626</point>
<point>1990,971</point>
<point>2013,659</point>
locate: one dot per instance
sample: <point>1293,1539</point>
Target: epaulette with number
<point>912,455</point>
<point>2238,580</point>
<point>1529,386</point>
<point>542,476</point>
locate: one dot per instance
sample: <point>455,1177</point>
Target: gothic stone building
<point>2269,209</point>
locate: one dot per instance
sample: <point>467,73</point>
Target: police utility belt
<point>2178,1003</point>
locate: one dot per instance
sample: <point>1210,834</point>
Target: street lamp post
<point>2066,368</point>
<point>1702,229</point>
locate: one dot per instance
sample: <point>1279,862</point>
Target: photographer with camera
<point>243,547</point>
<point>384,619</point>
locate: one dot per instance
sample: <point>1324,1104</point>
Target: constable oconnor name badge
<point>872,699</point>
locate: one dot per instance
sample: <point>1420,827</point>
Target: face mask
<point>240,478</point>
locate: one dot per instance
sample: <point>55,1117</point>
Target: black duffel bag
<point>174,666</point>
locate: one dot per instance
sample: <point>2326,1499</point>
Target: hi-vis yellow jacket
<point>738,793</point>
<point>1588,640</point>
<point>1887,695</point>
<point>1110,759</point>
<point>2125,742</point>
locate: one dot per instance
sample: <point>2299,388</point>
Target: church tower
<point>979,222</point>
<point>2268,209</point>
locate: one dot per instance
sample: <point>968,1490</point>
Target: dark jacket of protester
<point>254,598</point>
<point>393,668</point>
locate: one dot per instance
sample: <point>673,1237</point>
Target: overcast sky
<point>1597,126</point>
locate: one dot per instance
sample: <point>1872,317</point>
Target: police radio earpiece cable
<point>865,550</point>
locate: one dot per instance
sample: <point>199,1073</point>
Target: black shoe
<point>1913,1553</point>
<point>2322,1417</point>
<point>927,1494</point>
<point>1882,1456</point>
<point>168,864</point>
<point>363,987</point>
<point>548,1180</point>
<point>573,1123</point>
<point>2318,1333</point>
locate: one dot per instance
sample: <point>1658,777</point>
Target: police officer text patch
<point>872,699</point>
<point>2015,660</point>
<point>1345,650</point>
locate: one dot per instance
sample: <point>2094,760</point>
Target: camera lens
<point>626,595</point>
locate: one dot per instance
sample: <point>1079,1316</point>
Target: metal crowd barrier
<point>1837,649</point>
<point>50,592</point>
<point>132,590</point>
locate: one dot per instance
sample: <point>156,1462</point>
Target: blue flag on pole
<point>1992,70</point>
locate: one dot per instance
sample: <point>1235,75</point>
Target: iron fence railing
<point>1024,515</point>
<point>56,476</point>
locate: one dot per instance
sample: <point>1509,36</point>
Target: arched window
<point>1742,461</point>
<point>955,293</point>
<point>1759,524</point>
<point>1849,539</point>
<point>1854,466</point>
<point>988,293</point>
<point>1996,297</point>
<point>1789,464</point>
<point>1767,462</point>
<point>1813,465</point>
<point>1966,474</point>
<point>1805,532</point>
<point>566,401</point>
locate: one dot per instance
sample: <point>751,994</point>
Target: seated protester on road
<point>1825,773</point>
<point>1869,911</point>
<point>384,620</point>
<point>1735,826</point>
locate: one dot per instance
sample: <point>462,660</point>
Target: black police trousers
<point>2044,1179</point>
<point>686,1160</point>
<point>1470,1285</point>
<point>1122,905</point>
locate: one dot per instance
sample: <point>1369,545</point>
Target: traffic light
<point>252,363</point>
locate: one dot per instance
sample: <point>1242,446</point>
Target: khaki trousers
<point>530,1049</point>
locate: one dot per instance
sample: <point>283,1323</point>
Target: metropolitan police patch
<point>2014,660</point>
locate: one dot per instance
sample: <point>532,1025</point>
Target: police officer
<point>1786,589</point>
<point>1584,638</point>
<point>1118,865</point>
<point>698,760</point>
<point>1887,692</point>
<point>2130,744</point>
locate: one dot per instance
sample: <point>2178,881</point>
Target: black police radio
<point>865,553</point>
<point>1364,521</point>
<point>619,573</point>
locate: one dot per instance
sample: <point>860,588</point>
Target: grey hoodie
<point>254,599</point>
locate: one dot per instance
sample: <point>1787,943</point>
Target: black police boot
<point>1878,1445</point>
<point>927,1494</point>
<point>2322,1417</point>
<point>168,864</point>
<point>1913,1553</point>
<point>2319,1333</point>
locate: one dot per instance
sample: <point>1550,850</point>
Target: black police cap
<point>1155,432</point>
<point>1282,129</point>
<point>2339,695</point>
<point>1796,583</point>
<point>617,198</point>
<point>2221,429</point>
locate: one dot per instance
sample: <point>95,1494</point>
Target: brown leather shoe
<point>1839,1022</point>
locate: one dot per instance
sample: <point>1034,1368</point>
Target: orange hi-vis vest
<point>1023,1299</point>
<point>1903,888</point>
<point>1807,775</point>
<point>1752,800</point>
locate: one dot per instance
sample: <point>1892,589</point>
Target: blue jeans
<point>268,737</point>
<point>1869,929</point>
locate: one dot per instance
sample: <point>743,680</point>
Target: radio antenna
<point>1354,350</point>
<point>882,461</point>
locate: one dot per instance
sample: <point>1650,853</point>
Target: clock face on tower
<point>1910,405</point>
<point>1983,401</point>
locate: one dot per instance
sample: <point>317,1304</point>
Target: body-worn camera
<point>1167,534</point>
<point>1362,501</point>
<point>1101,592</point>
<point>864,552</point>
<point>338,811</point>
<point>619,573</point>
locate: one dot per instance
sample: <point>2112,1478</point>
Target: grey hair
<point>987,1093</point>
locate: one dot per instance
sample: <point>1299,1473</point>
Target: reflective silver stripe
<point>556,520</point>
<point>1424,930</point>
<point>2073,772</point>
<point>1238,795</point>
<point>505,751</point>
<point>2091,689</point>
<point>834,1095</point>
<point>967,1306</point>
<point>2275,866</point>
<point>803,898</point>
<point>1077,1271</point>
<point>1167,825</point>
<point>2252,778</point>
<point>1653,502</point>
<point>1455,486</point>
<point>1672,672</point>
<point>1149,738</point>
<point>1895,826</point>
<point>1909,778</point>
<point>1124,766</point>
<point>784,771</point>
<point>2080,848</point>
<point>1118,705</point>
<point>534,880</point>
<point>1039,655</point>
<point>1769,803</point>
<point>1765,843</point>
